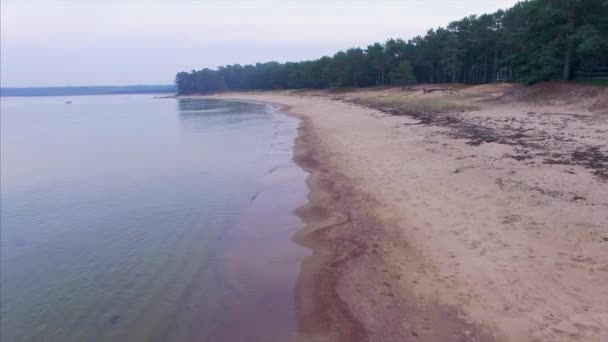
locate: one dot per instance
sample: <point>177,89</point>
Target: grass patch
<point>403,105</point>
<point>443,105</point>
<point>603,83</point>
<point>299,90</point>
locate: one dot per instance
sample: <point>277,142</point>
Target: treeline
<point>533,41</point>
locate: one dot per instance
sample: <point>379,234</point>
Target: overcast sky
<point>54,43</point>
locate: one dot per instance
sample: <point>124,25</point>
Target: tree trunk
<point>437,73</point>
<point>494,66</point>
<point>453,65</point>
<point>569,43</point>
<point>567,61</point>
<point>485,66</point>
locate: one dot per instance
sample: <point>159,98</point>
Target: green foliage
<point>402,74</point>
<point>201,81</point>
<point>535,40</point>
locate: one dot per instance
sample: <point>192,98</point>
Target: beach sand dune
<point>475,216</point>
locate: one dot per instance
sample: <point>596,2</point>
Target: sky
<point>107,42</point>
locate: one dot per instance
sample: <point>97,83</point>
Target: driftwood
<point>449,90</point>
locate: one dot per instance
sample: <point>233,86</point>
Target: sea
<point>148,218</point>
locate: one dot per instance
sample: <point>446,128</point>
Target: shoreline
<point>321,311</point>
<point>426,231</point>
<point>338,229</point>
<point>241,264</point>
<point>338,232</point>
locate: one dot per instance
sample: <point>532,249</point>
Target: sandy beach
<point>476,215</point>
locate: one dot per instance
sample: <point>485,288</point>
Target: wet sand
<point>435,231</point>
<point>248,295</point>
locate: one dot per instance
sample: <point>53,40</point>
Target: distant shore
<point>478,216</point>
<point>86,90</point>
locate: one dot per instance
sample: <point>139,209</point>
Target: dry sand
<point>481,216</point>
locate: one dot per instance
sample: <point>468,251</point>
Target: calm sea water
<point>129,218</point>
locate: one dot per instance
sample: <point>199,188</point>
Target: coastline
<point>339,229</point>
<point>244,284</point>
<point>418,233</point>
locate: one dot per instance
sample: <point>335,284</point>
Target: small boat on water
<point>68,102</point>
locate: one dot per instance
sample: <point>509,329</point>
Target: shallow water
<point>128,218</point>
